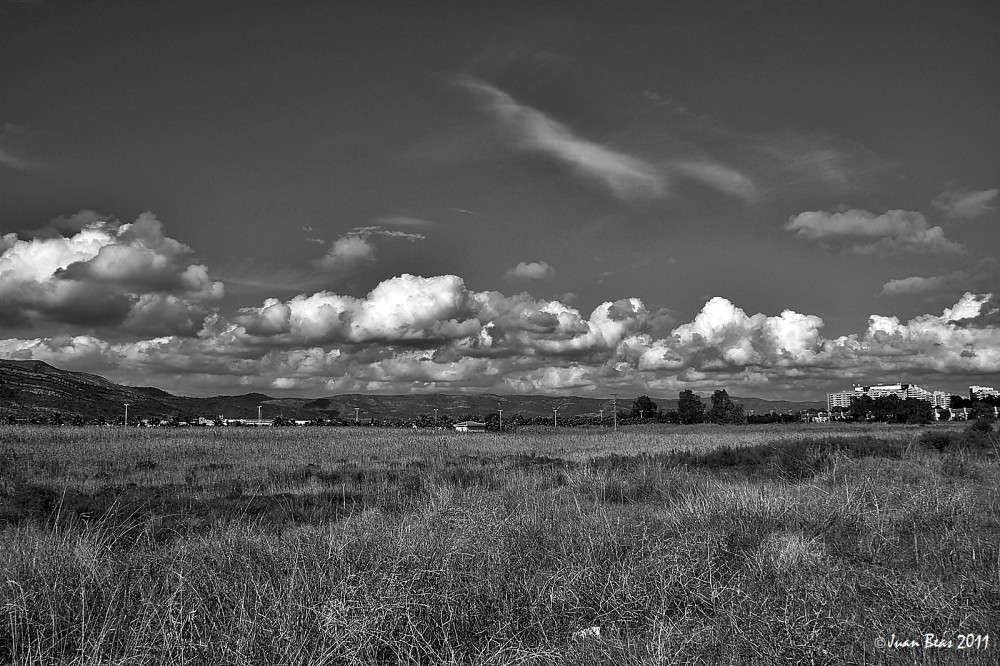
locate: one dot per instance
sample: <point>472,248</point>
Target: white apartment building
<point>901,391</point>
<point>980,392</point>
<point>839,399</point>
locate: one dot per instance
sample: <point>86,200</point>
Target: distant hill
<point>34,389</point>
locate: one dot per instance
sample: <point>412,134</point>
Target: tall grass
<point>330,546</point>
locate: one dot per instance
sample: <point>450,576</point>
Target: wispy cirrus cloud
<point>21,150</point>
<point>407,222</point>
<point>719,177</point>
<point>791,161</point>
<point>625,176</point>
<point>966,204</point>
<point>895,231</point>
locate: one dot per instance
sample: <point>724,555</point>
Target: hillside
<point>34,389</point>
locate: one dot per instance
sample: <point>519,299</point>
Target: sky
<point>780,198</point>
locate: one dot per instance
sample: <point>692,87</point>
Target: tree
<point>915,411</point>
<point>643,407</point>
<point>982,410</point>
<point>724,410</point>
<point>690,408</point>
<point>959,401</point>
<point>861,407</point>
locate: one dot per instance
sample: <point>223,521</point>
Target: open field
<point>700,544</point>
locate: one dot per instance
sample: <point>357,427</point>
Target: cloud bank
<point>141,312</point>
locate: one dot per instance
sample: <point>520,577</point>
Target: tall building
<point>840,399</point>
<point>942,399</point>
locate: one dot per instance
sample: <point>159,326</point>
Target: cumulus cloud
<point>347,252</point>
<point>895,231</point>
<point>984,275</point>
<point>105,274</point>
<point>919,285</point>
<point>625,176</point>
<point>966,204</point>
<point>405,308</point>
<point>357,247</point>
<point>530,270</point>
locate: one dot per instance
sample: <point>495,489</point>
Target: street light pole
<point>614,399</point>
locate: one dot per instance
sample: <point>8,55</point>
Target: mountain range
<point>35,389</point>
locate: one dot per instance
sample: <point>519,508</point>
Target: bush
<point>979,435</point>
<point>939,441</point>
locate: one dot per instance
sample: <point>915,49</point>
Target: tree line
<point>691,409</point>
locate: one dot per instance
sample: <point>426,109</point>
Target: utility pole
<point>259,417</point>
<point>602,416</point>
<point>126,414</point>
<point>500,429</point>
<point>614,399</point>
<point>555,416</point>
<point>435,415</point>
<point>356,411</point>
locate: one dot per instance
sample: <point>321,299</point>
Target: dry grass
<point>335,546</point>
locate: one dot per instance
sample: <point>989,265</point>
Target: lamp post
<point>614,399</point>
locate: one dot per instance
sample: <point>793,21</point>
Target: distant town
<point>982,402</point>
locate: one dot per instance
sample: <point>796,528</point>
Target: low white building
<point>470,426</point>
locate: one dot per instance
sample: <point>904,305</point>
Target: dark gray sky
<point>579,197</point>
